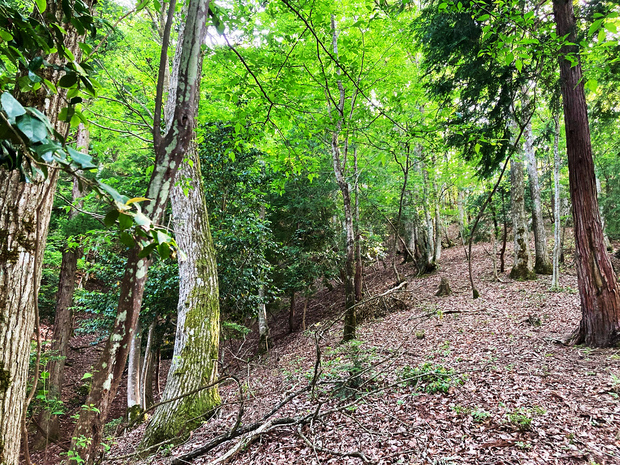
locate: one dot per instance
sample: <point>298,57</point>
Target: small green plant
<point>523,445</point>
<point>232,330</point>
<point>480,415</point>
<point>460,410</point>
<point>431,378</point>
<point>80,442</point>
<point>522,417</point>
<point>520,420</point>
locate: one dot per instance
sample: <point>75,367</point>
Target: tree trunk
<point>264,342</point>
<point>49,427</point>
<point>25,210</point>
<point>541,264</point>
<point>460,203</point>
<point>598,287</point>
<point>263,327</point>
<point>521,268</point>
<point>24,218</point>
<point>606,240</point>
<point>169,153</point>
<point>437,255</point>
<point>146,371</point>
<point>557,219</point>
<point>134,399</point>
<point>358,237</point>
<point>350,320</point>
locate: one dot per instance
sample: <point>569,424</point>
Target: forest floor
<point>430,380</point>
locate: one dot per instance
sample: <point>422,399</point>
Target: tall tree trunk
<point>146,371</point>
<point>49,427</point>
<point>169,153</point>
<point>196,344</point>
<point>350,319</point>
<point>358,237</point>
<point>24,218</point>
<point>598,287</point>
<point>437,255</point>
<point>541,264</point>
<point>521,268</point>
<point>25,210</point>
<point>557,219</point>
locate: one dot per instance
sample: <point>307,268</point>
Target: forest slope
<point>436,380</point>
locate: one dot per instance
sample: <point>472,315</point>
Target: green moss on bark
<point>5,378</point>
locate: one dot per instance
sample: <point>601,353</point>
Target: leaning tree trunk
<point>25,210</point>
<point>541,264</point>
<point>169,153</point>
<point>557,218</point>
<point>598,287</point>
<point>521,268</point>
<point>49,427</point>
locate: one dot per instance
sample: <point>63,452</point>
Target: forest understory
<point>429,380</point>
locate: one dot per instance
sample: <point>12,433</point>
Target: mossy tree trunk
<point>170,149</point>
<point>521,268</point>
<point>598,287</point>
<point>196,344</point>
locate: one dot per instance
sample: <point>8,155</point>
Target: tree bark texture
<point>198,315</point>
<point>24,218</point>
<point>25,210</point>
<point>134,399</point>
<point>541,261</point>
<point>169,152</point>
<point>521,268</point>
<point>598,287</point>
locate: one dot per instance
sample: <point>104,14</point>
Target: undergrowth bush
<point>431,378</point>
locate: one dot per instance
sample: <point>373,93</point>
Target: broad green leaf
<point>111,217</point>
<point>41,5</point>
<point>11,106</point>
<point>142,220</point>
<point>124,221</point>
<point>164,250</point>
<point>5,35</point>
<point>84,160</point>
<point>591,85</point>
<point>33,128</point>
<point>127,239</point>
<point>147,250</point>
<point>112,192</point>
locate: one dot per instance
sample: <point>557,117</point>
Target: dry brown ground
<point>517,395</point>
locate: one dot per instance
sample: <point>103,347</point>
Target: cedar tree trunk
<point>598,287</point>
